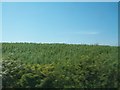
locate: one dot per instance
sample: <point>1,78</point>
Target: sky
<point>60,22</point>
<point>60,0</point>
<point>0,22</point>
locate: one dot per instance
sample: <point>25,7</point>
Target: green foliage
<point>17,74</point>
<point>59,66</point>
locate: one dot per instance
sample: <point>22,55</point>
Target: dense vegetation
<point>59,66</point>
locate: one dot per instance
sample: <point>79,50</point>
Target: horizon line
<point>57,43</point>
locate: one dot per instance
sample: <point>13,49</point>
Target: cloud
<point>77,33</point>
<point>89,33</point>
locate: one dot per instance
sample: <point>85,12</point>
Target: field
<point>32,65</point>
